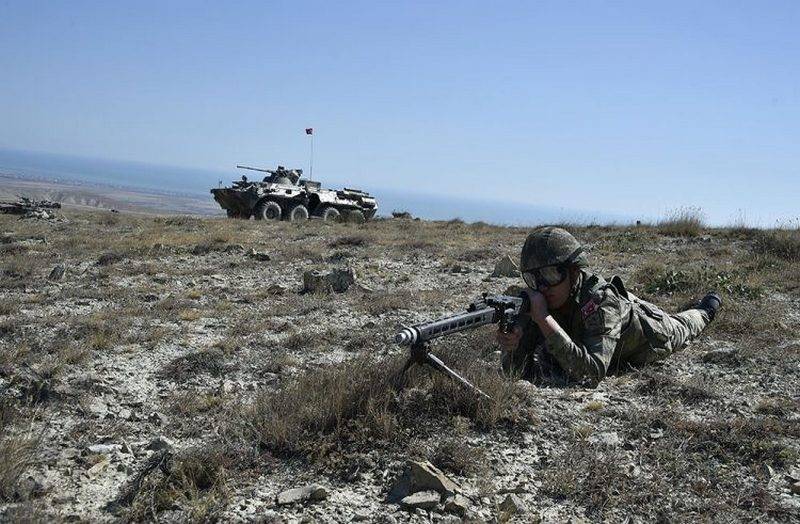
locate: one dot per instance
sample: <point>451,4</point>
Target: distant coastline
<point>193,185</point>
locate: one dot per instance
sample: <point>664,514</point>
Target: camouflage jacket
<point>604,328</point>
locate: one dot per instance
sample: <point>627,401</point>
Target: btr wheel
<point>268,210</point>
<point>298,213</point>
<point>330,214</point>
<point>356,217</point>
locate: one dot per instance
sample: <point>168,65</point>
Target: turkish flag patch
<point>589,308</point>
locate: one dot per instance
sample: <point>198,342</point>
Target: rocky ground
<point>171,369</point>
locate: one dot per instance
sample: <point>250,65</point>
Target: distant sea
<point>197,182</point>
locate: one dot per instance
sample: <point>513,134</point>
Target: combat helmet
<point>550,246</point>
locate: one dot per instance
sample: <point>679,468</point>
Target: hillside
<point>175,372</point>
<point>87,195</point>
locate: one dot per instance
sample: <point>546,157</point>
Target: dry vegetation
<point>683,222</point>
<point>168,326</point>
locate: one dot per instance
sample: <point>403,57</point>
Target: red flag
<point>309,130</point>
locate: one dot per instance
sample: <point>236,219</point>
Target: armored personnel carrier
<point>25,205</point>
<point>284,195</point>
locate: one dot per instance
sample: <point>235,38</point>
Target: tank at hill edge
<point>284,195</point>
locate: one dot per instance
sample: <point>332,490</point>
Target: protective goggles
<point>547,276</point>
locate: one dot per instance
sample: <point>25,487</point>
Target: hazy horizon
<point>197,182</point>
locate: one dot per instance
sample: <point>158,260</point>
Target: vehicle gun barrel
<point>270,171</point>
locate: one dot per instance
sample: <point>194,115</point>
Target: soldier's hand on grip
<point>509,341</point>
<point>538,305</point>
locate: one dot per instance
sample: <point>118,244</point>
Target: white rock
<point>261,256</point>
<point>421,500</point>
<point>313,492</point>
<point>505,267</point>
<point>98,468</point>
<point>426,476</point>
<point>97,408</point>
<point>104,449</point>
<point>606,438</point>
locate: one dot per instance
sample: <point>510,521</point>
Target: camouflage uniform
<point>604,329</point>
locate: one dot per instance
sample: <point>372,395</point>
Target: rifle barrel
<point>445,326</point>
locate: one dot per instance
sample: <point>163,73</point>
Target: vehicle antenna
<point>310,132</point>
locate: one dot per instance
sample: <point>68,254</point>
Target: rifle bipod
<point>420,354</point>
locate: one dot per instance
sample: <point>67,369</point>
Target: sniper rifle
<point>489,309</point>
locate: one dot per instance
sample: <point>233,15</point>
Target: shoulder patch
<point>593,318</point>
<point>589,309</point>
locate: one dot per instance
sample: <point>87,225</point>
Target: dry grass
<point>17,454</point>
<point>779,406</point>
<point>324,402</point>
<point>597,481</point>
<point>9,306</point>
<point>305,341</point>
<point>661,386</point>
<point>195,481</point>
<point>360,401</point>
<point>683,222</point>
<point>454,453</point>
<point>783,243</point>
<point>703,460</point>
<point>190,314</point>
<point>749,441</point>
<point>211,361</point>
<point>101,331</point>
<point>380,302</point>
<point>20,270</point>
<point>758,322</point>
<point>657,278</point>
<point>349,241</point>
<point>193,402</point>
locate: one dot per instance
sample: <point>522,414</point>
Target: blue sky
<point>620,107</point>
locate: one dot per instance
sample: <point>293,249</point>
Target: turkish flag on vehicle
<point>309,130</point>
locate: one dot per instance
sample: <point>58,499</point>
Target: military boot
<point>710,303</point>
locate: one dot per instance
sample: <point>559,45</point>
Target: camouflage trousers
<point>665,333</point>
<point>685,326</point>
